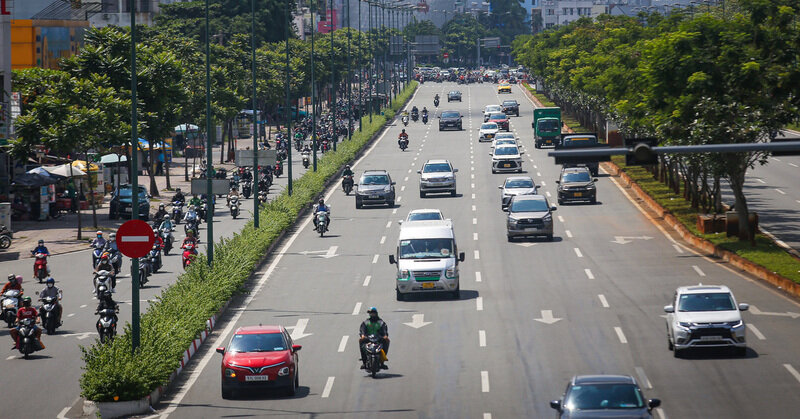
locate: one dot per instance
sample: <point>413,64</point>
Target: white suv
<point>437,176</point>
<point>705,316</point>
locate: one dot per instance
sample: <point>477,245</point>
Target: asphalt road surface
<point>532,314</point>
<point>51,376</point>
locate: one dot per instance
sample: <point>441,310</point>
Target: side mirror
<point>392,260</point>
<point>461,257</point>
<point>461,116</point>
<point>558,181</point>
<point>653,403</point>
<point>594,180</point>
<point>669,309</point>
<point>400,222</point>
<point>455,170</point>
<point>221,350</point>
<point>521,152</point>
<point>355,184</point>
<point>553,208</point>
<point>556,404</point>
<point>744,306</point>
<point>296,348</point>
<point>500,187</point>
<point>419,172</point>
<point>393,183</point>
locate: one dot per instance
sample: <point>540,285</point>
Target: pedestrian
<point>160,165</point>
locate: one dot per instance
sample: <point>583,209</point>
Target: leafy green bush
<point>179,314</point>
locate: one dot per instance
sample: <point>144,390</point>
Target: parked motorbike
<point>28,343</point>
<point>40,269</point>
<point>5,237</point>
<point>104,280</point>
<point>10,300</point>
<point>107,324</point>
<point>189,253</point>
<point>234,205</point>
<point>322,222</point>
<point>347,184</point>
<point>375,354</point>
<point>48,314</point>
<point>247,189</point>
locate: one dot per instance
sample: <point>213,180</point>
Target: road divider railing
<point>181,313</point>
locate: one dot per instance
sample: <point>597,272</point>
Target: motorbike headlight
<point>403,275</point>
<point>283,371</point>
<point>229,373</point>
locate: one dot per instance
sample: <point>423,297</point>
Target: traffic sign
<point>445,55</point>
<point>135,238</point>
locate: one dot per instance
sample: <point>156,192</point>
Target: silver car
<point>375,187</point>
<point>437,176</point>
<point>516,185</point>
<point>529,215</point>
<point>507,158</point>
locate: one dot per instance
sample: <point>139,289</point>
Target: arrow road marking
<point>331,252</point>
<point>757,312</point>
<point>628,239</point>
<point>135,239</point>
<point>417,321</point>
<point>298,330</point>
<point>547,317</point>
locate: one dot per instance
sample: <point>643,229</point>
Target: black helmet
<point>107,294</point>
<point>372,310</point>
<point>41,242</point>
<point>404,130</point>
<point>321,201</point>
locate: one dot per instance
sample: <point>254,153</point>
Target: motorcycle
<point>10,306</point>
<point>403,144</point>
<point>247,189</point>
<point>306,160</point>
<point>191,225</point>
<point>145,270</point>
<point>233,184</point>
<point>28,343</point>
<point>189,253</point>
<point>107,325</point>
<point>177,211</point>
<point>436,103</point>
<point>298,144</point>
<point>375,354</point>
<point>414,116</point>
<point>40,269</point>
<point>347,184</point>
<point>325,146</point>
<point>5,237</point>
<point>102,280</point>
<point>425,118</point>
<point>96,253</point>
<point>48,314</point>
<point>234,205</point>
<point>166,236</point>
<point>155,258</point>
<point>262,197</point>
<point>322,222</point>
<point>115,257</point>
<point>278,169</point>
<point>405,120</point>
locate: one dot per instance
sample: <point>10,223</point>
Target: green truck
<point>546,126</point>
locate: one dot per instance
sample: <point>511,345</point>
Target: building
<point>118,12</point>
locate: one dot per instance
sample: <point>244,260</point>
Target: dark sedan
<point>604,396</point>
<point>449,120</point>
<point>454,95</point>
<point>122,200</point>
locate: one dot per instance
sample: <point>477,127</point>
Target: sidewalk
<point>60,235</point>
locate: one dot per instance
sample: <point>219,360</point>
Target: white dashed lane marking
<point>578,252</point>
<point>560,218</point>
<point>482,338</point>
<point>698,270</point>
<point>756,332</point>
<point>326,392</point>
<point>375,258</point>
<point>478,277</point>
<point>479,303</point>
<point>603,300</point>
<point>589,273</point>
<point>792,371</point>
<point>366,280</point>
<point>677,248</point>
<point>343,343</point>
<point>357,309</point>
<point>620,335</point>
<point>568,233</point>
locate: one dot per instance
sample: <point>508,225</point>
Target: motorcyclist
<point>402,136</point>
<point>26,312</point>
<point>14,283</point>
<point>158,241</point>
<point>111,243</point>
<point>99,241</point>
<point>105,265</point>
<point>373,325</point>
<point>247,176</point>
<point>41,248</point>
<point>167,223</point>
<point>347,171</point>
<point>234,192</point>
<point>196,201</point>
<point>106,302</point>
<point>436,98</point>
<point>424,111</point>
<point>51,290</point>
<point>179,196</point>
<point>158,217</point>
<point>320,206</point>
<point>190,238</point>
<point>191,215</point>
<point>306,149</point>
<point>414,110</point>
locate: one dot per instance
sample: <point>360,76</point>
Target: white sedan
<point>487,131</point>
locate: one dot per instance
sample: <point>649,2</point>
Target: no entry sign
<point>135,238</point>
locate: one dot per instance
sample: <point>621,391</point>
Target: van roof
<point>427,230</point>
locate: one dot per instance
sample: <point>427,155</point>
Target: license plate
<point>374,196</point>
<point>428,285</point>
<point>578,194</point>
<point>256,378</point>
<point>710,337</point>
<point>549,141</point>
<point>489,135</point>
<point>531,229</point>
<point>128,209</point>
<point>507,165</point>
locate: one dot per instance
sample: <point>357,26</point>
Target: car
<point>504,87</point>
<point>506,135</point>
<point>501,120</point>
<point>424,215</point>
<point>529,215</point>
<point>450,119</point>
<point>503,141</point>
<point>454,95</point>
<point>437,176</point>
<point>516,185</point>
<point>122,201</point>
<point>604,396</point>
<point>705,316</point>
<point>576,141</point>
<point>576,184</point>
<point>507,158</point>
<point>487,131</point>
<point>511,107</point>
<point>375,188</point>
<point>259,357</point>
<point>490,109</point>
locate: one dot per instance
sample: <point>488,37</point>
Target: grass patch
<point>795,127</point>
<point>766,253</point>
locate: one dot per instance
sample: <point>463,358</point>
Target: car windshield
<point>424,216</point>
<point>436,167</point>
<point>509,102</point>
<point>549,125</point>
<point>506,141</point>
<point>712,301</point>
<point>374,180</point>
<point>507,135</point>
<point>580,141</point>
<point>576,177</point>
<point>450,114</point>
<point>498,116</point>
<point>494,108</point>
<point>259,342</point>
<point>455,93</point>
<point>529,205</point>
<point>519,183</point>
<point>505,151</point>
<point>127,192</point>
<point>489,126</point>
<point>426,248</point>
<point>603,396</point>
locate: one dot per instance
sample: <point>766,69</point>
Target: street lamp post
<point>255,117</point>
<point>209,159</point>
<point>332,107</point>
<point>372,61</point>
<point>288,112</point>
<point>313,94</point>
<point>135,331</point>
<point>349,78</point>
<point>360,74</point>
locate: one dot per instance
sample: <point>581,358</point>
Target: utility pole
<point>313,95</point>
<point>209,157</point>
<point>135,308</point>
<point>255,113</point>
<point>288,111</point>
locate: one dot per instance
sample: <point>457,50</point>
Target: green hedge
<point>112,372</point>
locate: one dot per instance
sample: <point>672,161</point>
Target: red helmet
<point>104,257</point>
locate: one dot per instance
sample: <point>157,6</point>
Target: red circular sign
<point>445,55</point>
<point>135,238</point>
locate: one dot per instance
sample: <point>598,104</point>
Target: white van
<point>426,259</point>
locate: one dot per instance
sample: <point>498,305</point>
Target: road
<point>531,315</point>
<point>52,374</point>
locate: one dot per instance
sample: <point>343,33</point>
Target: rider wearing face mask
<point>26,312</point>
<point>51,290</point>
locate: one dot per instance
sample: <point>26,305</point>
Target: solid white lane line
<point>366,280</point>
<point>474,236</point>
<point>620,335</point>
<point>343,343</point>
<point>478,277</point>
<point>792,371</point>
<point>589,273</point>
<point>357,309</point>
<point>326,392</point>
<point>780,191</point>
<point>383,239</point>
<point>643,380</point>
<point>388,224</point>
<point>578,252</point>
<point>479,303</point>
<point>568,233</point>
<point>482,338</point>
<point>375,258</point>
<point>477,255</point>
<point>677,248</point>
<point>485,381</point>
<point>756,332</point>
<point>560,218</point>
<point>698,270</point>
<point>474,221</point>
<point>603,300</point>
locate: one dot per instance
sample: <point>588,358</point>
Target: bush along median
<point>112,372</point>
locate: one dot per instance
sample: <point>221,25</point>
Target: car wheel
<point>422,194</point>
<point>291,390</point>
<point>494,171</point>
<point>226,392</point>
<point>453,192</point>
<point>399,295</point>
<point>669,344</point>
<point>358,204</point>
<point>549,237</point>
<point>390,203</point>
<point>740,351</point>
<point>518,114</point>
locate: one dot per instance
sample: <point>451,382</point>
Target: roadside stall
<point>32,194</point>
<point>115,169</point>
<point>92,182</point>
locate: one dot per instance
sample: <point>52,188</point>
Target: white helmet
<point>166,216</point>
<point>112,236</point>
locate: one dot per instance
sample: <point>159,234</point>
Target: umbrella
<point>81,165</point>
<point>33,180</point>
<point>144,145</point>
<point>112,158</point>
<point>43,172</point>
<point>185,127</point>
<point>64,170</point>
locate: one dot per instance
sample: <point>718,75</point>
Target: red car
<point>500,119</point>
<point>259,357</point>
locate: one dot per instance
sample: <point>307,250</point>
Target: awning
<point>33,180</point>
<point>65,171</point>
<point>112,159</point>
<point>144,145</point>
<point>81,165</point>
<point>185,127</point>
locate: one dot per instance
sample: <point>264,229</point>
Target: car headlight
<point>547,218</point>
<point>590,187</point>
<point>388,188</point>
<point>735,324</point>
<point>451,273</point>
<point>283,371</point>
<point>403,275</point>
<point>229,373</point>
<point>685,325</point>
<point>512,222</point>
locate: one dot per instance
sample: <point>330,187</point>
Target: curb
<point>780,282</point>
